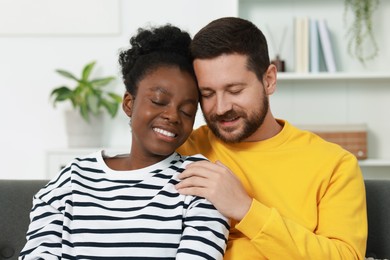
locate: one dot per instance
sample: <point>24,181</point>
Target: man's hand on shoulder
<point>216,183</point>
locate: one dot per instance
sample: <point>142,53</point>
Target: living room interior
<point>34,138</point>
<point>41,37</point>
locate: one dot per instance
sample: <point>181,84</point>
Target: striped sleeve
<point>205,230</point>
<point>44,235</point>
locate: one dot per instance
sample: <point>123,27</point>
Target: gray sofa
<point>16,197</point>
<point>16,202</point>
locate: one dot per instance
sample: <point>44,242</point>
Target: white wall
<point>30,125</point>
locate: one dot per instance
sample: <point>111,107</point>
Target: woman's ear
<point>270,79</point>
<point>127,103</point>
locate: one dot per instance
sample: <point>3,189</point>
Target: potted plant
<point>89,100</point>
<point>360,31</point>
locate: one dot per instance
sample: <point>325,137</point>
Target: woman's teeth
<point>164,132</point>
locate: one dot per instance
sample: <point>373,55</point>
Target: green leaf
<point>93,104</point>
<point>62,97</point>
<point>115,97</point>
<point>111,107</point>
<point>60,94</point>
<point>102,82</point>
<point>87,71</point>
<point>67,74</point>
<point>84,111</point>
<point>86,86</point>
<point>60,90</point>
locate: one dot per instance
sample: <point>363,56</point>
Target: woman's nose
<point>171,114</point>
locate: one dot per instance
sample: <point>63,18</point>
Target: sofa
<point>15,203</point>
<point>16,198</point>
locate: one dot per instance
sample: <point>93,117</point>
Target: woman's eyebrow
<point>160,89</point>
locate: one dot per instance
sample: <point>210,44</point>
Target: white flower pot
<point>82,133</point>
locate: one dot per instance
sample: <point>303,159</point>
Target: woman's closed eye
<point>187,113</point>
<point>188,109</point>
<point>158,102</point>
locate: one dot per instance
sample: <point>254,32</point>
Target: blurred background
<point>37,37</point>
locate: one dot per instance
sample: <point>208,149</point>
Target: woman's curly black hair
<point>152,48</point>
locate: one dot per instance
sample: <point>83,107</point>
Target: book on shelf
<point>301,25</point>
<point>326,45</point>
<point>313,46</point>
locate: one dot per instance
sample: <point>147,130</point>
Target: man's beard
<point>252,121</point>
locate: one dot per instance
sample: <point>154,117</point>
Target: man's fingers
<point>203,169</point>
<point>194,181</point>
<point>202,164</point>
<point>192,173</point>
<point>195,191</point>
<point>197,170</point>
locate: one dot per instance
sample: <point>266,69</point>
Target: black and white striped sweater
<point>92,212</point>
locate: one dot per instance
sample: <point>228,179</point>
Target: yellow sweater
<point>308,196</point>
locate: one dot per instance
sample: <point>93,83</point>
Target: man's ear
<point>270,79</point>
<point>127,103</point>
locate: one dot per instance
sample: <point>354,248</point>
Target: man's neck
<point>268,129</point>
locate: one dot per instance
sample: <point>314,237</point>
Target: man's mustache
<point>227,116</point>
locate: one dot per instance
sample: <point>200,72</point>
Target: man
<point>289,193</point>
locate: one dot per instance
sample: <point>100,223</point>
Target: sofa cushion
<point>16,202</point>
<point>378,213</point>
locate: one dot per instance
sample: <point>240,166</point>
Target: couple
<point>282,193</point>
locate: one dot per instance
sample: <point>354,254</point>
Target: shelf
<point>289,76</point>
<point>375,162</point>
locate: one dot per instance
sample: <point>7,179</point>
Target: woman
<point>126,206</point>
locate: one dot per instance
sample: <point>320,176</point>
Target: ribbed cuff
<point>254,220</point>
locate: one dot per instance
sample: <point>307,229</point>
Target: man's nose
<point>223,105</point>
